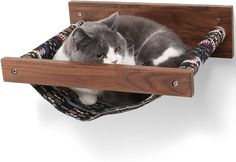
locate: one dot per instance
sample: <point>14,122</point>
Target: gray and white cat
<point>121,39</point>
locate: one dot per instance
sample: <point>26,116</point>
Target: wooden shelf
<point>125,78</point>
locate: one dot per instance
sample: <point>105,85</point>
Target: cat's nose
<point>114,62</point>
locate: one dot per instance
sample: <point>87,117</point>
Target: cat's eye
<point>100,56</point>
<point>117,49</point>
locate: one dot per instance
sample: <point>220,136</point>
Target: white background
<point>202,128</point>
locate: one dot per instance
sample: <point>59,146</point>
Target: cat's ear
<point>111,21</point>
<point>79,37</point>
<point>79,34</point>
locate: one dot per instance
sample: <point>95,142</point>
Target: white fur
<point>86,96</point>
<point>88,99</point>
<point>112,57</point>
<point>168,53</point>
<point>60,55</point>
<point>128,59</point>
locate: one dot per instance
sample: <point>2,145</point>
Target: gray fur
<point>141,37</point>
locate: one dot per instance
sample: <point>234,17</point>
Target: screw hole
<point>14,71</point>
<point>175,83</point>
<point>79,14</point>
<point>218,19</point>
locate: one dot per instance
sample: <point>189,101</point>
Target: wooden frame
<point>126,78</point>
<point>190,22</point>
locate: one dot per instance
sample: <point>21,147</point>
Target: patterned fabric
<point>204,49</point>
<point>66,101</point>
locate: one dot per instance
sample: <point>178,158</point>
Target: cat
<point>122,39</point>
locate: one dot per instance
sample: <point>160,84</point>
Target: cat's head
<point>97,42</point>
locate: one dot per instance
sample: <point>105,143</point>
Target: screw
<point>218,19</point>
<point>175,83</point>
<point>79,14</point>
<point>14,71</point>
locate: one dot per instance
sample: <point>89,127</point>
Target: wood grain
<point>190,22</point>
<point>125,78</point>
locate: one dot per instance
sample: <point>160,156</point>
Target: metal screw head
<point>79,14</point>
<point>175,83</point>
<point>218,19</point>
<point>14,71</point>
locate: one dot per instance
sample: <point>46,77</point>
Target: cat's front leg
<point>86,96</point>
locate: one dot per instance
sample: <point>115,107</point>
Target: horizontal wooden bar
<point>125,78</point>
<point>190,22</point>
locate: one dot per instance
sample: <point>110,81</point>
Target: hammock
<point>66,101</point>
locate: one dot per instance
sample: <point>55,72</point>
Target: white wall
<point>202,128</point>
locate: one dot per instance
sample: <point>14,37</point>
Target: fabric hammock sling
<point>66,101</point>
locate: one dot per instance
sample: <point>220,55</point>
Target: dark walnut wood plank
<point>127,78</point>
<point>190,22</point>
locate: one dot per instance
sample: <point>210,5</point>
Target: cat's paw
<point>88,99</point>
